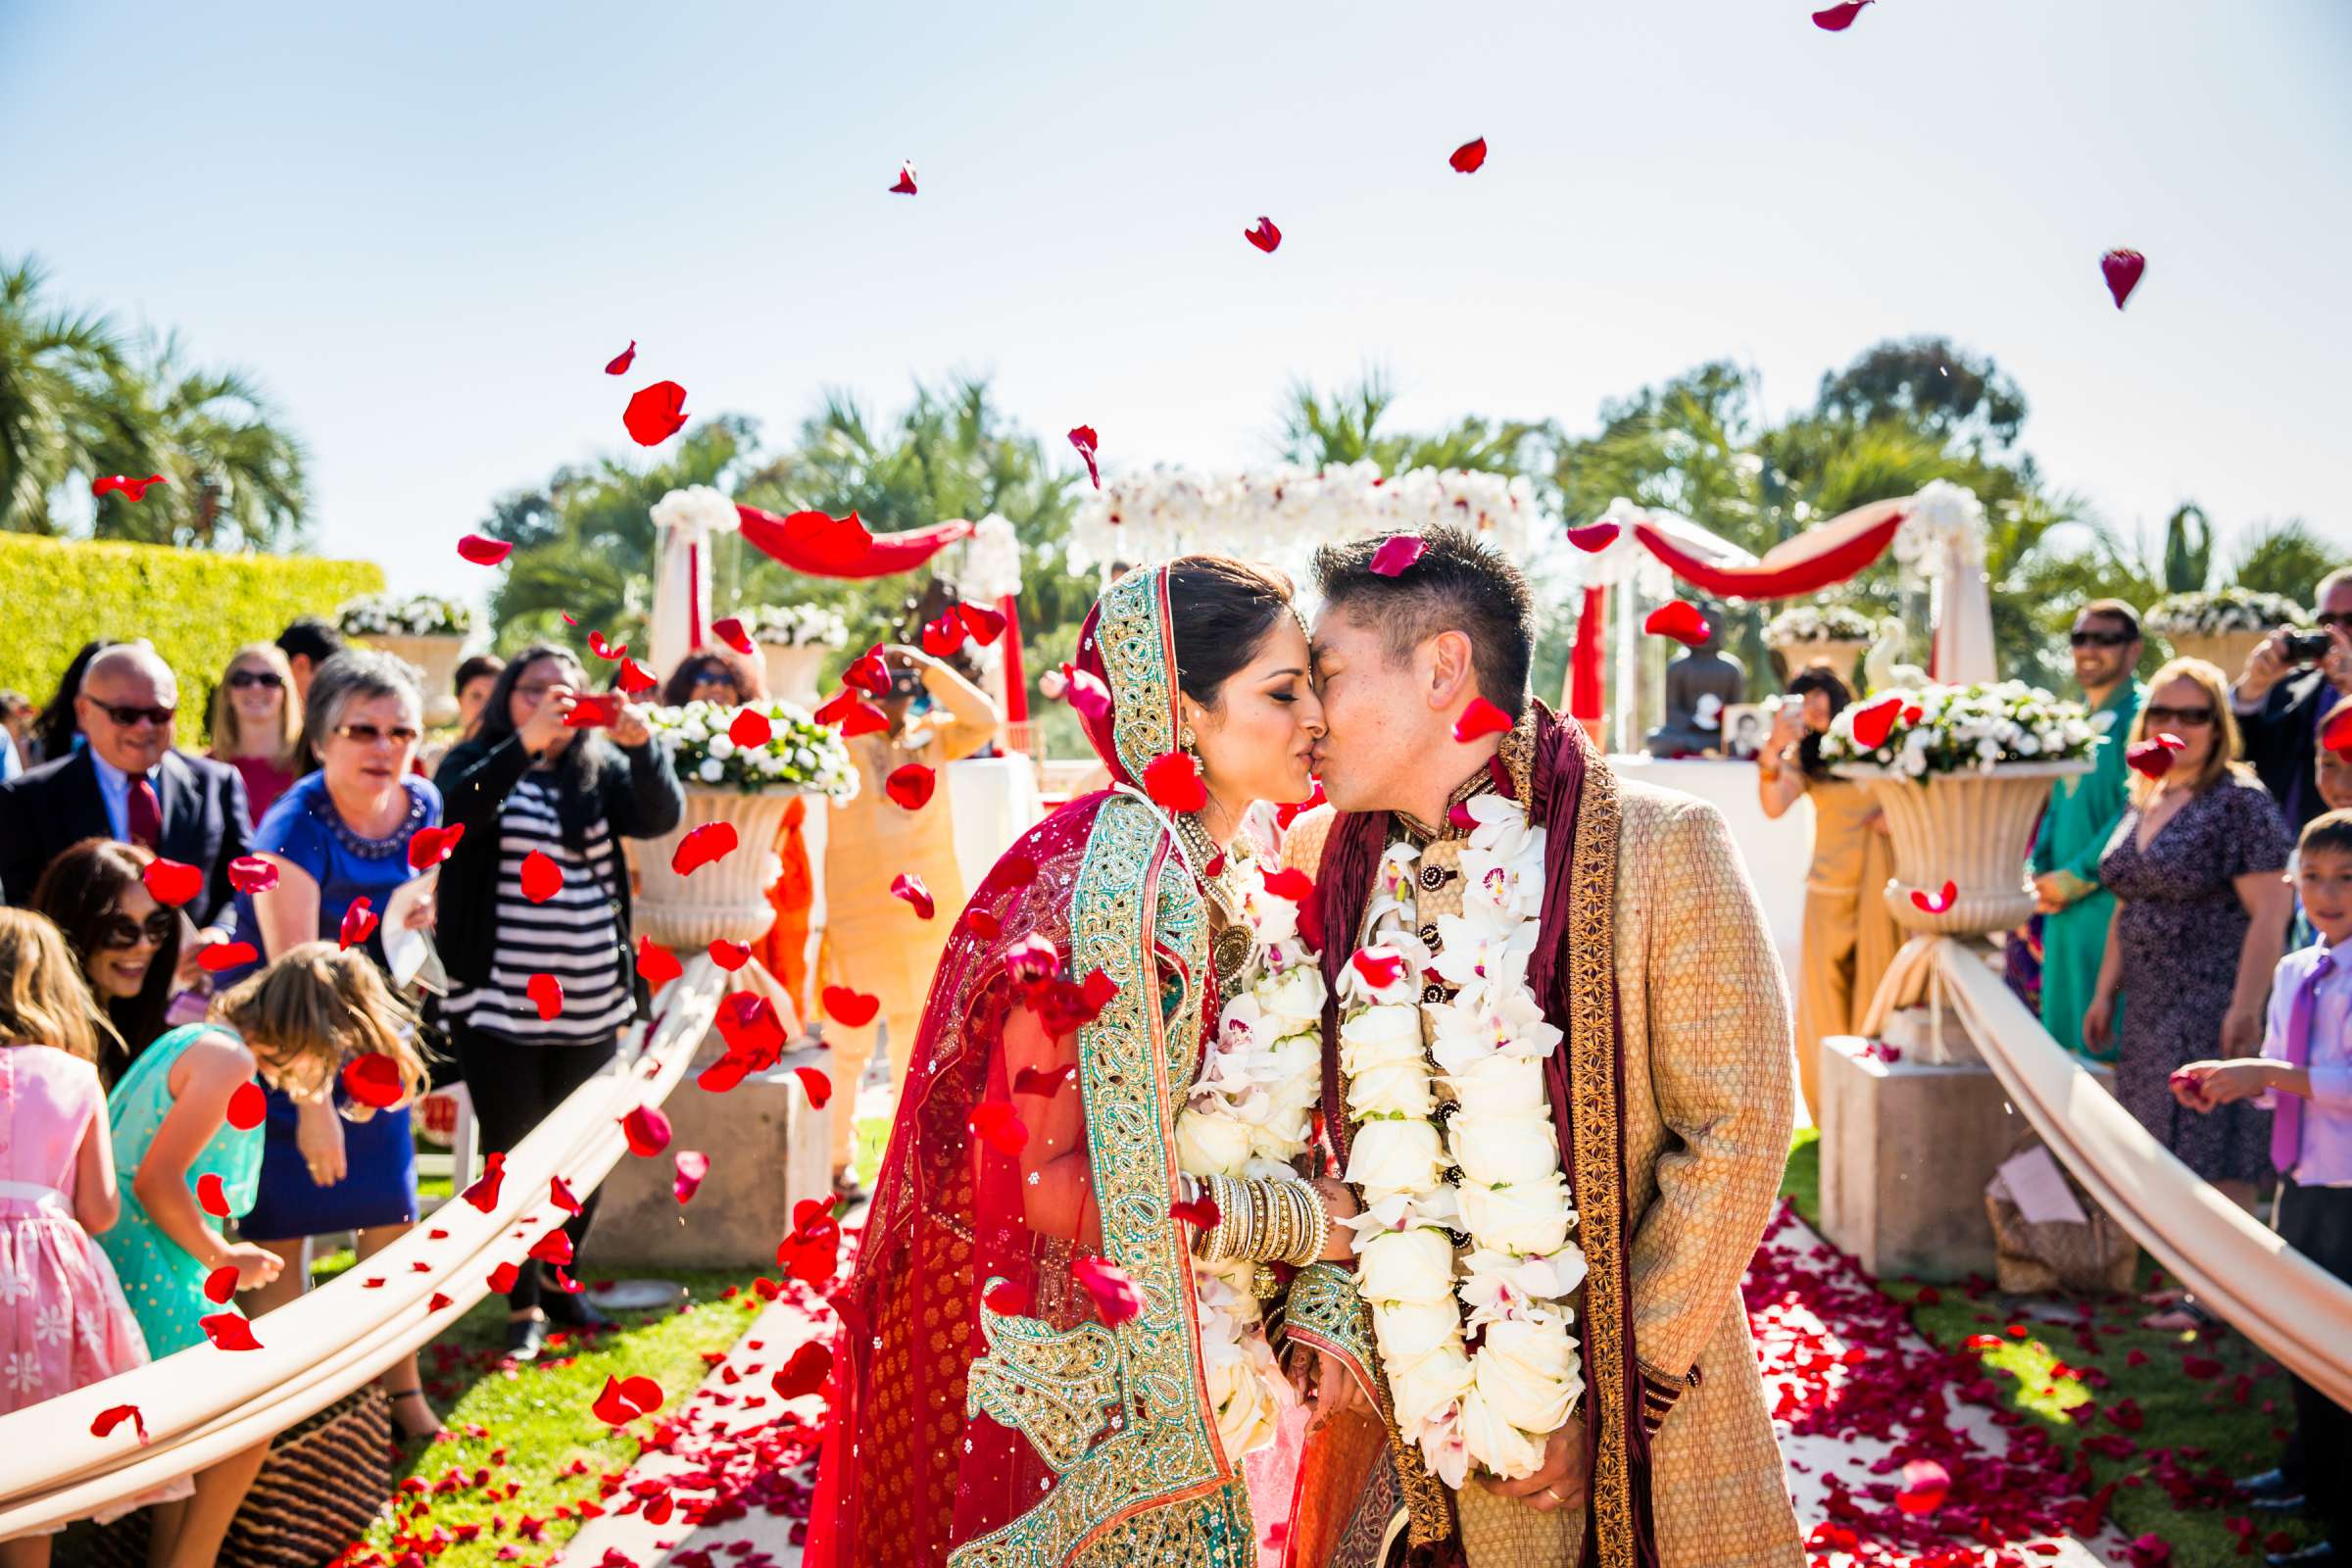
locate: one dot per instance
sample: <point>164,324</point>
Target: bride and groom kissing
<point>1358,1185</point>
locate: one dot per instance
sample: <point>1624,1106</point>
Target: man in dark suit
<point>2279,705</point>
<point>128,783</point>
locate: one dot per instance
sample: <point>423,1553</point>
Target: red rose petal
<point>730,631</point>
<point>942,637</point>
<point>169,882</point>
<point>211,1197</point>
<point>1398,552</point>
<point>986,625</point>
<point>2151,758</point>
<point>247,1105</point>
<point>1097,990</point>
<point>374,1079</point>
<point>227,956</point>
<point>804,1373</point>
<point>1083,438</point>
<point>982,924</point>
<point>703,846</point>
<point>1201,1213</point>
<point>503,1278</point>
<point>1680,619</point>
<point>1032,959</point>
<point>1875,721</point>
<point>730,956</point>
<point>1265,237</point>
<point>1173,780</point>
<point>625,1400</point>
<point>2121,268</point>
<point>547,995</point>
<point>853,1009</point>
<point>618,363</point>
<point>910,887</point>
<point>552,1247</point>
<point>814,1084</point>
<point>2335,730</point>
<point>692,1166</point>
<point>751,729</point>
<point>1044,1082</point>
<point>647,1129</point>
<point>854,715</point>
<point>1925,1485</point>
<point>484,552</point>
<point>1838,18</point>
<point>542,878</point>
<point>1469,156</point>
<point>1116,1298</point>
<point>657,965</point>
<point>439,1302</point>
<point>1288,883</point>
<point>221,1284</point>
<point>1480,717</point>
<point>869,674</point>
<point>228,1331</point>
<point>114,1415</point>
<point>1938,901</point>
<point>906,184</point>
<point>1594,537</point>
<point>634,678</point>
<point>1007,1300</point>
<point>358,921</point>
<point>561,1195</point>
<point>482,1191</point>
<point>656,413</point>
<point>251,873</point>
<point>997,1125</point>
<point>911,786</point>
<point>1380,966</point>
<point>1084,692</point>
<point>602,649</point>
<point>429,847</point>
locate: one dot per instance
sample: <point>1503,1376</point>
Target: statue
<point>1700,686</point>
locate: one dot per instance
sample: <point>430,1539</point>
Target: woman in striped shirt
<point>535,920</point>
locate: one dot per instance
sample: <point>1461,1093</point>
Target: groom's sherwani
<point>1694,1077</point>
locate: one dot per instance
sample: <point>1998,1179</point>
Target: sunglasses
<point>126,717</point>
<point>370,734</point>
<point>121,931</point>
<point>240,679</point>
<point>2338,620</point>
<point>2098,639</point>
<point>2195,717</point>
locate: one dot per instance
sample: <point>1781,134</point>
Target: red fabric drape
<point>1016,678</point>
<point>1807,575</point>
<point>1585,695</point>
<point>813,543</point>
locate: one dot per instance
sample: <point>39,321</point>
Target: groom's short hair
<point>1460,583</point>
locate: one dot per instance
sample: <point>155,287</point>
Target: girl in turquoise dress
<point>296,1023</point>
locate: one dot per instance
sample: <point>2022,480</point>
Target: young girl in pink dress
<point>64,1321</point>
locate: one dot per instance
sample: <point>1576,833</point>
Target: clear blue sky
<point>426,226</point>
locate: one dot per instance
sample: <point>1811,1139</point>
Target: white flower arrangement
<point>1962,729</point>
<point>796,625</point>
<point>799,755</point>
<point>405,615</point>
<point>2223,610</point>
<point>1818,623</point>
<point>1487,1163</point>
<point>1249,1113</point>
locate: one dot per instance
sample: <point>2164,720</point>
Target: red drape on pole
<point>1585,695</point>
<point>1784,580</point>
<point>1016,679</point>
<point>830,547</point>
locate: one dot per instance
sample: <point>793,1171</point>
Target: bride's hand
<point>1340,1199</point>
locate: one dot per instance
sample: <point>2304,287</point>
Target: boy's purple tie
<point>2286,1121</point>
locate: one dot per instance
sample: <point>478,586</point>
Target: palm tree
<point>2287,559</point>
<point>1318,432</point>
<point>236,475</point>
<point>60,371</point>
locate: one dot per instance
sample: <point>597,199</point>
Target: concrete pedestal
<point>1907,1150</point>
<point>768,1150</point>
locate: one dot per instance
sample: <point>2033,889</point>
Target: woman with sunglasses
<point>713,675</point>
<point>255,728</point>
<point>339,838</point>
<point>126,943</point>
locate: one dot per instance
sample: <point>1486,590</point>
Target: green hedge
<point>196,607</point>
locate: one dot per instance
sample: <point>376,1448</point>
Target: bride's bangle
<point>1318,1235</point>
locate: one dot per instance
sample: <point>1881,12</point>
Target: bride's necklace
<point>1231,946</point>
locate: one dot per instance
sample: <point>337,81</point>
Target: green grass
<point>2177,1411</point>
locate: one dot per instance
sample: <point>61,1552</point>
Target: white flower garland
<point>1959,729</point>
<point>405,615</point>
<point>799,755</point>
<point>2224,609</point>
<point>1496,1407</point>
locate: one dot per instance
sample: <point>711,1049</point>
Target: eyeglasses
<point>2098,639</point>
<point>128,715</point>
<point>240,679</point>
<point>2160,715</point>
<point>121,931</point>
<point>712,677</point>
<point>368,734</point>
<point>534,690</point>
<point>2337,620</point>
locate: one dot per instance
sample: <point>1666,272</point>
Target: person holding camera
<point>2293,681</point>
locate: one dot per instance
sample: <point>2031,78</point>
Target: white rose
<point>723,747</point>
<point>1421,1389</point>
<point>1408,1266</point>
<point>1380,1034</point>
<point>1298,995</point>
<point>1499,1285</point>
<point>1499,1086</point>
<point>1395,1156</point>
<point>1210,1145</point>
<point>1241,1395</point>
<point>1530,1219</point>
<point>1497,1445</point>
<point>1408,1330</point>
<point>1527,1374</point>
<point>1392,1089</point>
<point>710,770</point>
<point>1504,1150</point>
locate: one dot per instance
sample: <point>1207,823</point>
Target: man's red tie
<point>143,817</point>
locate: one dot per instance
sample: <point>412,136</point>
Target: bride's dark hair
<point>1221,610</point>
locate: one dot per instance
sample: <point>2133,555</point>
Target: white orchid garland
<point>1496,1407</point>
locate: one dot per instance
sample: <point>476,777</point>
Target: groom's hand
<point>1561,1484</point>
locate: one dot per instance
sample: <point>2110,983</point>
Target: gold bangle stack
<point>1265,1221</point>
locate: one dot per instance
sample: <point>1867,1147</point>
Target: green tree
<point>2287,559</point>
<point>60,371</point>
<point>2187,550</point>
<point>1320,430</point>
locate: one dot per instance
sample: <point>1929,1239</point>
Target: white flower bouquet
<point>1818,623</point>
<point>405,615</point>
<point>797,754</point>
<point>1957,730</point>
<point>795,627</point>
<point>2224,609</point>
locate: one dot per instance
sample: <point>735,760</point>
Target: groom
<point>1671,1093</point>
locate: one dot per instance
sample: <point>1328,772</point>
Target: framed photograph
<point>1745,726</point>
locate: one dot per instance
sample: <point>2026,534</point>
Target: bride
<point>1055,1345</point>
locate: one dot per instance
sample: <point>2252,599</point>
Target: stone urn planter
<point>1841,656</point>
<point>792,671</point>
<point>726,899</point>
<point>437,658</point>
<point>1972,829</point>
<point>2229,651</point>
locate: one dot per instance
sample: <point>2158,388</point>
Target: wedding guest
<point>56,731</point>
<point>308,643</point>
<point>255,726</point>
<point>2281,702</point>
<point>713,675</point>
<point>2200,916</point>
<point>1850,935</point>
<point>17,715</point>
<point>339,835</point>
<point>2080,818</point>
<point>2333,774</point>
<point>476,675</point>
<point>524,784</point>
<point>2304,1074</point>
<point>127,943</point>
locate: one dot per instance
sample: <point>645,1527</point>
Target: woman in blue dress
<point>340,835</point>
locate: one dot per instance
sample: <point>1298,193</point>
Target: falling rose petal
<point>552,1247</point>
<point>2152,757</point>
<point>602,649</point>
<point>1398,552</point>
<point>1044,1082</point>
<point>910,887</point>
<point>703,846</point>
<point>542,878</point>
<point>114,1415</point>
<point>482,1191</point>
<point>852,1010</point>
<point>729,955</point>
<point>1461,817</point>
<point>657,965</point>
<point>853,713</point>
<point>247,1105</point>
<point>1938,901</point>
<point>429,847</point>
<point>1265,237</point>
<point>484,552</point>
<point>211,1197</point>
<point>748,1022</point>
<point>358,921</point>
<point>1875,721</point>
<point>625,1400</point>
<point>1083,438</point>
<point>618,363</point>
<point>815,1085</point>
<point>730,631</point>
<point>804,1373</point>
<point>561,1195</point>
<point>751,729</point>
<point>1380,967</point>
<point>228,1331</point>
<point>1097,990</point>
<point>634,678</point>
<point>906,184</point>
<point>869,674</point>
<point>1594,537</point>
<point>1838,18</point>
<point>648,1131</point>
<point>227,956</point>
<point>172,883</point>
<point>1032,959</point>
<point>374,1079</point>
<point>692,1166</point>
<point>1016,870</point>
<point>997,1125</point>
<point>503,1278</point>
<point>1286,814</point>
<point>1084,690</point>
<point>942,637</point>
<point>1007,1300</point>
<point>910,785</point>
<point>1469,156</point>
<point>986,625</point>
<point>1173,780</point>
<point>1680,619</point>
<point>252,875</point>
<point>1480,717</point>
<point>547,995</point>
<point>982,924</point>
<point>2122,270</point>
<point>1925,1484</point>
<point>1116,1298</point>
<point>221,1284</point>
<point>439,1302</point>
<point>656,413</point>
<point>1201,1213</point>
<point>1288,883</point>
<point>2335,730</point>
<point>131,489</point>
